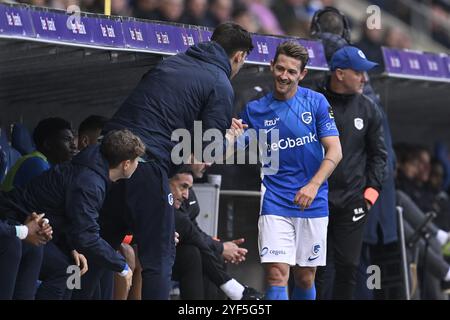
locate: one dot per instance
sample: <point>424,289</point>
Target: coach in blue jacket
<point>190,86</point>
<point>71,195</point>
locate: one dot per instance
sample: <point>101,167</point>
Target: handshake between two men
<point>38,229</point>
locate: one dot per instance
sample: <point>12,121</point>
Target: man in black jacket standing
<point>356,182</point>
<point>188,87</point>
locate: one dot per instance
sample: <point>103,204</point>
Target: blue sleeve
<point>30,168</point>
<point>244,140</point>
<point>325,119</point>
<point>83,202</point>
<point>218,111</point>
<point>245,117</point>
<point>7,230</point>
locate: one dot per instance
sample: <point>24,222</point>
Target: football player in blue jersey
<point>294,202</point>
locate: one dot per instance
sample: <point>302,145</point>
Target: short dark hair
<point>91,123</point>
<point>121,145</point>
<point>331,22</point>
<point>49,128</point>
<point>185,169</point>
<point>293,50</point>
<point>232,37</point>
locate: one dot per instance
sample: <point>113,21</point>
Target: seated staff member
<point>71,194</point>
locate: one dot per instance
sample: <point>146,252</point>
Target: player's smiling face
<point>287,74</point>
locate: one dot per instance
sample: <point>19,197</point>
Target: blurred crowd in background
<point>277,17</point>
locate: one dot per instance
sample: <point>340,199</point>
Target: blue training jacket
<point>71,195</point>
<point>190,86</point>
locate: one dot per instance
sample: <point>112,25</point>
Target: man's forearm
<point>329,163</point>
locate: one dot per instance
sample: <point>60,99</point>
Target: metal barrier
<point>240,193</point>
<point>405,267</point>
<point>230,207</point>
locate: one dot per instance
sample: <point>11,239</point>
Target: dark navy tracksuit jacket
<point>71,195</point>
<point>190,86</point>
<point>181,89</point>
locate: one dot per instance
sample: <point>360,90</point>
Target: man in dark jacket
<point>194,242</point>
<point>53,138</point>
<point>332,27</point>
<point>71,195</point>
<point>190,86</point>
<point>54,142</point>
<point>196,254</point>
<point>356,182</point>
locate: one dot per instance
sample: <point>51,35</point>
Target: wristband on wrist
<point>21,232</point>
<point>125,270</point>
<point>371,195</point>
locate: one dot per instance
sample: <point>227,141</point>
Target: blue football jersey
<point>301,122</point>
